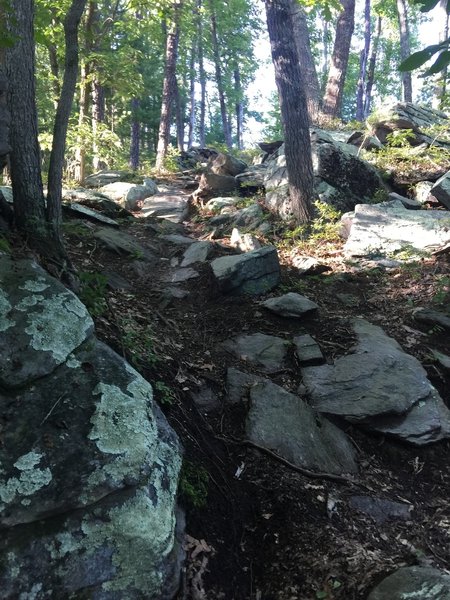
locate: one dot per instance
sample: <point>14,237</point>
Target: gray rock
<point>96,201</point>
<point>407,202</point>
<point>249,217</point>
<point>7,193</point>
<point>225,164</point>
<point>86,212</point>
<point>254,273</point>
<point>284,423</point>
<point>253,178</point>
<point>239,384</point>
<point>380,387</point>
<point>432,317</point>
<point>105,177</point>
<point>212,184</point>
<point>308,265</point>
<point>365,141</point>
<point>422,191</point>
<point>205,399</point>
<point>215,204</point>
<point>389,228</point>
<point>381,510</point>
<point>265,351</point>
<point>290,305</point>
<point>418,583</point>
<point>245,243</point>
<point>41,322</point>
<point>171,206</point>
<point>129,195</point>
<point>441,190</point>
<point>442,359</point>
<point>179,240</point>
<point>181,275</point>
<point>308,351</point>
<point>123,243</point>
<point>197,252</point>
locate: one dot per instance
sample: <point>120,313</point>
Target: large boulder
<point>129,195</point>
<point>96,201</point>
<point>225,164</point>
<point>89,464</point>
<point>106,176</point>
<point>441,190</point>
<point>211,185</point>
<point>418,583</point>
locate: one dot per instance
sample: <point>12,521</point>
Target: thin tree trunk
<point>135,135</point>
<point>371,69</point>
<point>219,79</point>
<point>191,98</point>
<point>239,108</point>
<point>55,171</point>
<point>202,78</point>
<point>363,60</point>
<point>179,117</point>
<point>441,87</point>
<point>405,49</point>
<point>169,86</point>
<point>325,65</point>
<point>293,106</point>
<point>98,117</point>
<point>306,60</point>
<point>54,68</point>
<point>332,100</point>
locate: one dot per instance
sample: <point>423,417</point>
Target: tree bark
<point>364,57</point>
<point>306,60</point>
<point>219,78</point>
<point>239,108</point>
<point>169,86</point>
<point>202,78</point>
<point>179,118</point>
<point>332,100</point>
<point>405,49</point>
<point>371,69</point>
<point>135,135</point>
<point>293,106</point>
<point>191,98</point>
<point>55,171</point>
<point>441,87</point>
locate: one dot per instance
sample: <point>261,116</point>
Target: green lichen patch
<point>30,480</point>
<point>5,308</point>
<point>35,285</point>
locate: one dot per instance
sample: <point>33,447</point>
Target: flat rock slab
<point>239,384</point>
<point>389,228</point>
<point>290,305</point>
<point>41,322</point>
<point>171,205</point>
<point>307,265</point>
<point>123,243</point>
<point>381,387</point>
<point>180,275</point>
<point>129,195</point>
<point>413,583</point>
<point>441,190</point>
<point>197,252</point>
<point>253,273</point>
<point>88,213</point>
<point>308,351</point>
<point>284,423</point>
<point>178,239</point>
<point>432,317</point>
<point>381,510</point>
<point>265,351</point>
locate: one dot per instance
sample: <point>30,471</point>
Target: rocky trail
<point>289,491</point>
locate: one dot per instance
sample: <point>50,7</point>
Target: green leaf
<point>417,59</point>
<point>440,63</point>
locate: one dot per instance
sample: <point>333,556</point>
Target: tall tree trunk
<point>405,49</point>
<point>202,78</point>
<point>219,78</point>
<point>363,59</point>
<point>135,135</point>
<point>191,98</point>
<point>239,107</point>
<point>441,87</point>
<point>332,100</point>
<point>98,117</point>
<point>306,60</point>
<point>325,66</point>
<point>293,106</point>
<point>169,86</point>
<point>371,69</point>
<point>179,119</point>
<point>54,68</point>
<point>55,171</point>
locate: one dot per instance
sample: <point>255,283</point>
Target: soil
<point>257,529</point>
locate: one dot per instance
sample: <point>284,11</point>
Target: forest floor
<point>257,529</point>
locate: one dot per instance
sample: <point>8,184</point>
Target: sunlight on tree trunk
<point>405,48</point>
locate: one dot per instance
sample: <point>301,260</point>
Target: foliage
<point>324,228</point>
<point>193,485</point>
<point>442,292</point>
<point>164,394</point>
<point>93,292</point>
<point>4,245</point>
<point>138,341</point>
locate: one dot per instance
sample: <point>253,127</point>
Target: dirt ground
<point>257,529</point>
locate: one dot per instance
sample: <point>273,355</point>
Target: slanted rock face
<point>212,184</point>
<point>225,164</point>
<point>418,583</point>
<point>106,176</point>
<point>129,195</point>
<point>89,465</point>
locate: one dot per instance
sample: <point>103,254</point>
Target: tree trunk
<point>135,135</point>
<point>54,68</point>
<point>441,87</point>
<point>364,57</point>
<point>191,98</point>
<point>293,106</point>
<point>326,53</point>
<point>169,86</point>
<point>55,171</point>
<point>98,117</point>
<point>219,78</point>
<point>405,49</point>
<point>239,107</point>
<point>202,78</point>
<point>306,60</point>
<point>332,100</point>
<point>179,117</point>
<point>371,69</point>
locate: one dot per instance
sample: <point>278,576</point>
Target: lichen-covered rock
<point>225,164</point>
<point>418,583</point>
<point>41,322</point>
<point>129,195</point>
<point>265,351</point>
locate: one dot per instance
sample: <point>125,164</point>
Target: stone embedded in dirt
<point>105,177</point>
<point>225,164</point>
<point>205,398</point>
<point>180,275</point>
<point>239,384</point>
<point>361,139</point>
<point>442,359</point>
<point>88,213</point>
<point>418,583</point>
<point>252,178</point>
<point>249,217</point>
<point>197,252</point>
<point>245,243</point>
<point>381,510</point>
<point>308,351</point>
<point>432,317</point>
<point>41,322</point>
<point>116,281</point>
<point>215,204</point>
<point>171,205</point>
<point>211,184</point>
<point>96,201</point>
<point>129,195</point>
<point>179,240</point>
<point>291,305</point>
<point>265,351</point>
<point>389,228</point>
<point>254,273</point>
<point>285,424</point>
<point>307,265</point>
<point>407,202</point>
<point>421,191</point>
<point>380,387</point>
<point>123,243</point>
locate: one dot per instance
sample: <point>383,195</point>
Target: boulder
<point>364,141</point>
<point>308,351</point>
<point>408,203</point>
<point>267,352</point>
<point>7,192</point>
<point>253,178</point>
<point>270,147</point>
<point>421,191</point>
<point>255,272</point>
<point>212,184</point>
<point>171,205</point>
<point>284,423</point>
<point>123,243</point>
<point>249,217</point>
<point>380,387</point>
<point>239,384</point>
<point>441,190</point>
<point>381,510</point>
<point>216,204</point>
<point>96,201</point>
<point>129,195</point>
<point>388,229</point>
<point>420,583</point>
<point>432,317</point>
<point>290,305</point>
<point>105,177</point>
<point>245,242</point>
<point>225,164</point>
<point>308,265</point>
<point>196,252</point>
<point>78,210</point>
